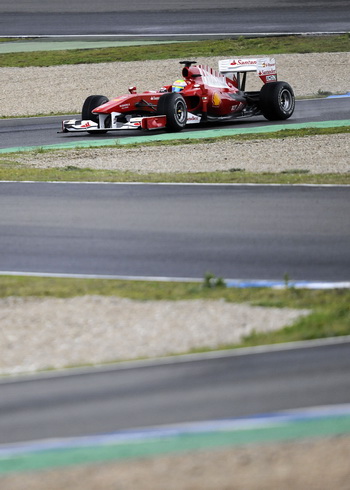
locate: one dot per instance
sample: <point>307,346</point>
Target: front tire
<point>89,105</point>
<point>174,107</point>
<point>277,101</point>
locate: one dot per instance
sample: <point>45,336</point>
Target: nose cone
<point>113,105</point>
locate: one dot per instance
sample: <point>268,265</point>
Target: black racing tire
<point>174,107</point>
<point>277,101</point>
<point>89,105</point>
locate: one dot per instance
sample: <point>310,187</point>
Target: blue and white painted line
<point>338,96</point>
<point>230,283</point>
<point>291,425</point>
<point>260,421</point>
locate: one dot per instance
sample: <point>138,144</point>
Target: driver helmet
<point>178,85</point>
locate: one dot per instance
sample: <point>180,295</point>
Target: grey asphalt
<point>167,18</point>
<point>115,399</point>
<point>237,232</point>
<point>39,131</point>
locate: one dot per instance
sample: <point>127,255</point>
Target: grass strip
<point>220,47</point>
<point>330,316</point>
<point>8,172</point>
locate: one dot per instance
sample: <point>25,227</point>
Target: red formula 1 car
<point>202,95</point>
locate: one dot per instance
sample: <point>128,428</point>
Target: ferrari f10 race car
<point>202,95</point>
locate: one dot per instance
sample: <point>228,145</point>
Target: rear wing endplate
<point>236,67</point>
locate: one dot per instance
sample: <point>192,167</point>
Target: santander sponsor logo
<point>267,72</point>
<point>243,62</point>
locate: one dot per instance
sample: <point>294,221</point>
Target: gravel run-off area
<point>36,334</point>
<point>62,89</point>
<point>313,155</point>
<point>40,334</point>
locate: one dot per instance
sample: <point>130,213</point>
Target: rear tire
<point>89,105</point>
<point>174,107</point>
<point>277,101</point>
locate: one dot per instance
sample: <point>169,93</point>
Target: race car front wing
<point>146,123</point>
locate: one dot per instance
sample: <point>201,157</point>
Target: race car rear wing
<point>238,68</point>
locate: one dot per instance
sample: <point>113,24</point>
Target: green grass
<point>222,47</point>
<point>72,174</point>
<point>329,317</point>
<point>9,39</point>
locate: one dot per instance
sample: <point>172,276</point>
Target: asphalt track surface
<point>113,399</point>
<point>39,131</point>
<point>181,231</point>
<point>166,18</point>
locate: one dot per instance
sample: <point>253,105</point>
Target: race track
<point>235,231</point>
<point>40,131</point>
<point>110,399</point>
<point>163,19</point>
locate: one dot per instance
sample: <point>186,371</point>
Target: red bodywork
<point>200,97</point>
